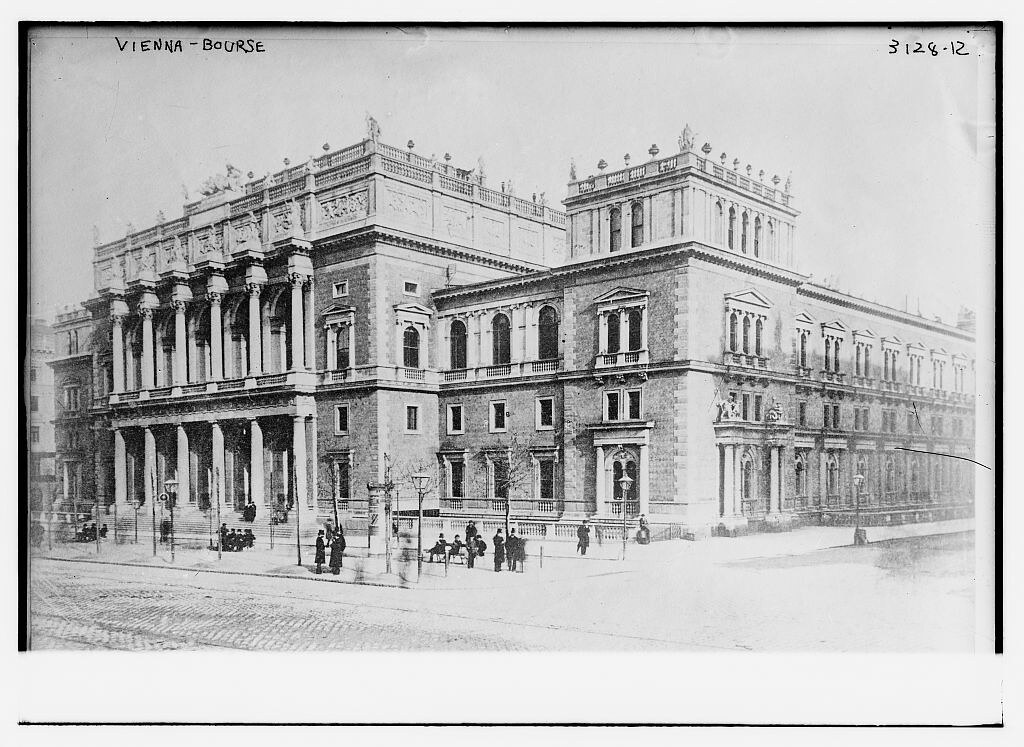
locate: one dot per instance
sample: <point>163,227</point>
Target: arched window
<point>757,236</point>
<point>885,365</point>
<point>342,353</point>
<point>771,239</point>
<point>746,334</point>
<point>743,233</point>
<point>547,334</point>
<point>411,348</point>
<point>828,354</point>
<point>732,226</point>
<point>637,211</point>
<point>835,356</point>
<point>856,365</point>
<point>803,350</point>
<point>457,342</point>
<point>890,475</point>
<point>867,361</point>
<point>615,228</point>
<point>801,476</point>
<point>613,332</point>
<point>832,475</point>
<point>501,339</point>
<point>718,222</point>
<point>758,330</point>
<point>732,332</point>
<point>635,320</point>
<point>747,476</point>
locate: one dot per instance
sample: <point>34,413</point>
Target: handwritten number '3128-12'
<point>955,48</point>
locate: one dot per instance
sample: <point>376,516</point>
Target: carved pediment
<point>413,308</point>
<point>835,328</point>
<point>916,347</point>
<point>621,294</point>
<point>892,341</point>
<point>337,314</point>
<point>803,319</point>
<point>748,297</point>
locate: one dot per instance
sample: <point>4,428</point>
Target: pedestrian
<point>249,538</point>
<point>520,555</point>
<point>470,532</point>
<point>499,551</point>
<point>583,535</point>
<point>438,548</point>
<point>224,537</point>
<point>337,551</point>
<point>321,552</point>
<point>643,534</point>
<point>103,532</point>
<point>511,549</point>
<point>470,552</point>
<point>455,549</point>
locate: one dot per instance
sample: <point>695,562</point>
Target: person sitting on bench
<point>439,547</point>
<point>455,550</point>
<point>249,538</point>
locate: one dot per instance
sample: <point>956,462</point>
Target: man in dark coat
<point>438,548</point>
<point>249,537</point>
<point>224,537</point>
<point>455,548</point>
<point>499,551</point>
<point>103,532</point>
<point>520,555</point>
<point>583,534</point>
<point>337,551</point>
<point>470,552</point>
<point>511,549</point>
<point>471,532</point>
<point>321,552</point>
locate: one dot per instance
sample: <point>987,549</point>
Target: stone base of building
<point>778,522</point>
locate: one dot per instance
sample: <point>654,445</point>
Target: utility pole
<point>152,481</point>
<point>298,516</point>
<point>216,492</point>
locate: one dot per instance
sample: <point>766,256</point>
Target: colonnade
<point>291,476</point>
<point>198,357</point>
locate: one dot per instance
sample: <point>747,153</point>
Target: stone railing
<point>746,360</point>
<point>622,358</point>
<point>272,379</point>
<point>502,371</point>
<point>834,377</point>
<point>672,163</point>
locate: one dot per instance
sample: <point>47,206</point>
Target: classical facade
<point>41,447</point>
<point>372,313</point>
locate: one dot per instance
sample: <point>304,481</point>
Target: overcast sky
<point>891,155</point>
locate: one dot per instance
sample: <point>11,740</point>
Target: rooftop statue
<point>572,169</point>
<point>230,180</point>
<point>686,139</point>
<point>372,128</point>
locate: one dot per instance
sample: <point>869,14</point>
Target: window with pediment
<point>746,320</point>
<point>622,321</point>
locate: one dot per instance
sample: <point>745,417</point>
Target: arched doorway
<point>623,461</point>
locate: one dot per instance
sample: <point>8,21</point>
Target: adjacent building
<point>652,350</point>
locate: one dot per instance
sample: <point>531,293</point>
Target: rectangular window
<point>340,419</point>
<point>611,405</point>
<point>455,424</point>
<point>826,416</point>
<point>34,404</point>
<point>835,416</point>
<point>458,478</point>
<point>757,407</point>
<point>35,434</point>
<point>547,480</point>
<point>802,413</point>
<point>633,403</point>
<point>410,288</point>
<point>412,419</point>
<point>746,407</point>
<point>338,290</point>
<point>545,413</point>
<point>342,490</point>
<point>498,416</point>
<point>32,374</point>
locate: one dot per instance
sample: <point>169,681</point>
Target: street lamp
<point>171,487</point>
<point>624,483</point>
<point>420,481</point>
<point>859,535</point>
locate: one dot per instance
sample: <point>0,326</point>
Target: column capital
<point>146,312</point>
<point>117,318</point>
<point>214,298</point>
<point>179,306</point>
<point>254,289</point>
<point>297,279</point>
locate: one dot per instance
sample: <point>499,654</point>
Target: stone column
<point>148,359</point>
<point>216,338</point>
<point>67,484</point>
<point>643,328</point>
<point>117,323</point>
<point>194,364</point>
<point>296,330</point>
<point>737,483</point>
<point>255,330</point>
<point>773,488</point>
<point>184,483</point>
<point>266,336</point>
<point>623,331</point>
<point>256,479</point>
<point>532,332</point>
<point>602,334</point>
<point>149,471</point>
<point>643,490</point>
<point>180,368</point>
<point>782,479</point>
<point>473,341</point>
<point>516,335</point>
<point>219,480</point>
<point>728,481</point>
<point>331,359</point>
<point>299,459</point>
<point>310,333</point>
<point>311,458</point>
<point>599,476</point>
<point>822,478</point>
<point>120,464</point>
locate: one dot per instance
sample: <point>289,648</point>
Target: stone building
<point>287,333</point>
<point>40,404</point>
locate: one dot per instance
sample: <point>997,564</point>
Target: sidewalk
<point>560,564</point>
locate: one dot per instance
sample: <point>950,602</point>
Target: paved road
<point>909,595</point>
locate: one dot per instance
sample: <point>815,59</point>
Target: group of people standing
<point>88,533</point>
<point>336,539</point>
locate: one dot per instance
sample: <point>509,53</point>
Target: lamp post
<point>171,486</point>
<point>420,481</point>
<point>859,535</point>
<point>624,484</point>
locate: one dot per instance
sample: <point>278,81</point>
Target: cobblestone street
<point>912,594</point>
